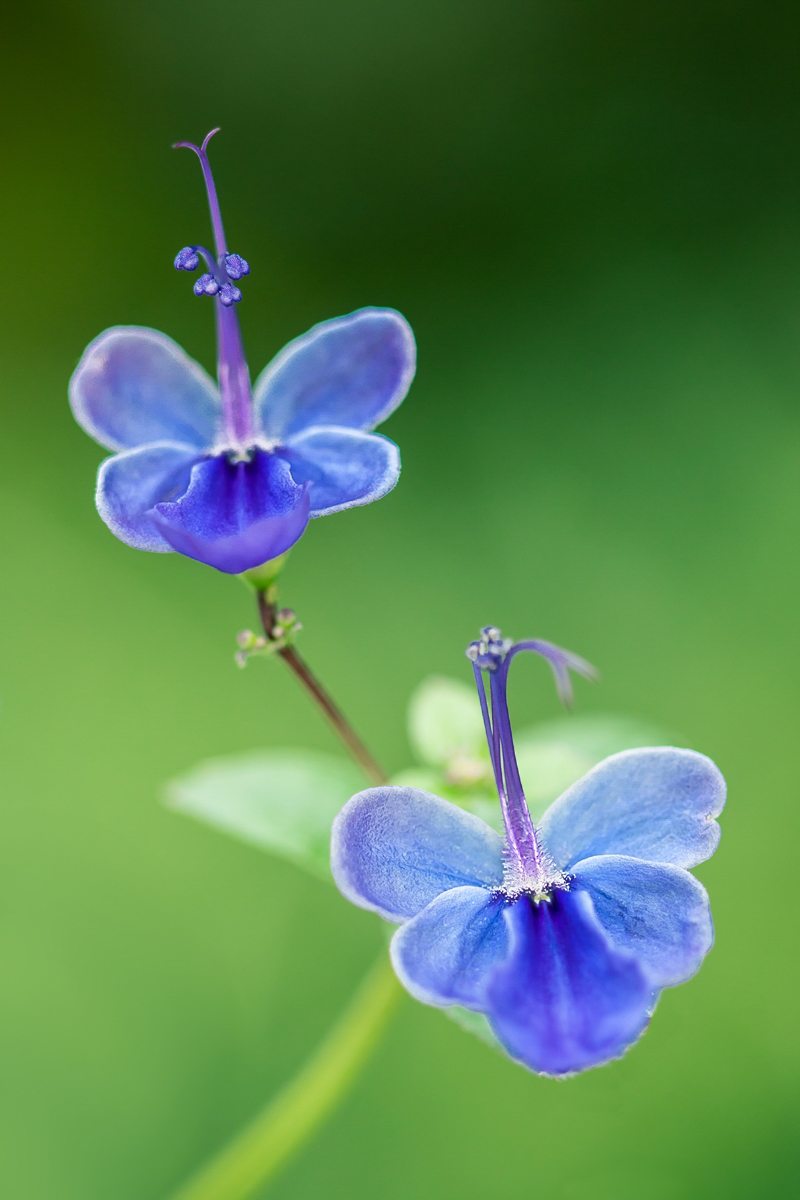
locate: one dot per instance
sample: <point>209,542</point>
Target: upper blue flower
<point>228,475</point>
<point>563,936</point>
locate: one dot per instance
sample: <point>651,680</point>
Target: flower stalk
<point>254,1157</point>
<point>244,1167</point>
<point>267,610</point>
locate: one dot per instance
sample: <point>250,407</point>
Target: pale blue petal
<point>343,466</point>
<point>657,804</point>
<point>134,386</point>
<point>235,515</point>
<point>658,912</point>
<point>394,849</point>
<point>352,371</point>
<point>564,998</point>
<point>447,953</point>
<point>129,484</point>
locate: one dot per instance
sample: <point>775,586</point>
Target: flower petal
<point>235,515</point>
<point>659,912</point>
<point>657,804</point>
<point>394,849</point>
<point>135,386</point>
<point>447,953</point>
<point>129,484</point>
<point>564,998</point>
<point>344,466</point>
<point>352,371</point>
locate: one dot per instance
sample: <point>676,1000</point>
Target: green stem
<point>245,1165</point>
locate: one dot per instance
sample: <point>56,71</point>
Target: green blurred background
<point>590,213</point>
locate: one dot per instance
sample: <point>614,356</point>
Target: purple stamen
<point>187,259</point>
<point>527,868</point>
<point>229,294</point>
<point>205,285</point>
<point>561,663</point>
<point>236,266</point>
<point>213,202</point>
<point>232,370</point>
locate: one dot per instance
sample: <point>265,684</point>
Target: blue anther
<point>236,266</point>
<point>187,259</point>
<point>207,285</point>
<point>229,294</point>
<point>490,650</point>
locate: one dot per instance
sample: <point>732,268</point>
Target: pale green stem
<point>249,1162</point>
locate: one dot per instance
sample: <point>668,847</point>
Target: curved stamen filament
<point>232,371</point>
<point>211,191</point>
<point>528,868</point>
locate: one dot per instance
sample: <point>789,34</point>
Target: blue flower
<point>562,935</point>
<point>231,475</point>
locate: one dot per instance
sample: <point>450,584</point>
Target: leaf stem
<point>254,1156</point>
<point>247,1163</point>
<point>341,726</point>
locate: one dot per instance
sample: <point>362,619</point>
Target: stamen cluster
<point>218,280</point>
<point>490,649</point>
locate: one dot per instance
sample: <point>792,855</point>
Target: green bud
<point>263,577</point>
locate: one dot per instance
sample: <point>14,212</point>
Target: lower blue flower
<point>562,936</point>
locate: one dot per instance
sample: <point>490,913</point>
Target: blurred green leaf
<point>599,735</point>
<point>445,722</point>
<point>555,754</point>
<point>473,1022</point>
<point>281,800</point>
<point>446,732</point>
<point>428,779</point>
<point>477,799</point>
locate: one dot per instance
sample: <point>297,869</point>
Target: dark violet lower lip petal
<point>136,386</point>
<point>657,804</point>
<point>448,952</point>
<point>564,998</point>
<point>343,467</point>
<point>240,551</point>
<point>394,849</point>
<point>236,515</point>
<point>351,371</point>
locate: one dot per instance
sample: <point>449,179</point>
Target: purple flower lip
<point>230,474</point>
<point>562,936</point>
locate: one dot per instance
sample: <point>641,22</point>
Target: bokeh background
<point>590,213</point>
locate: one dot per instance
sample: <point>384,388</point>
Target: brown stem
<point>341,726</point>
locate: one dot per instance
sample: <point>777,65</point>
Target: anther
<point>236,266</point>
<point>490,649</point>
<point>187,259</point>
<point>228,293</point>
<point>206,285</point>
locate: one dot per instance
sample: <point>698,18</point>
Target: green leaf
<point>482,802</point>
<point>428,779</point>
<point>281,800</point>
<point>599,735</point>
<point>473,1022</point>
<point>445,722</point>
